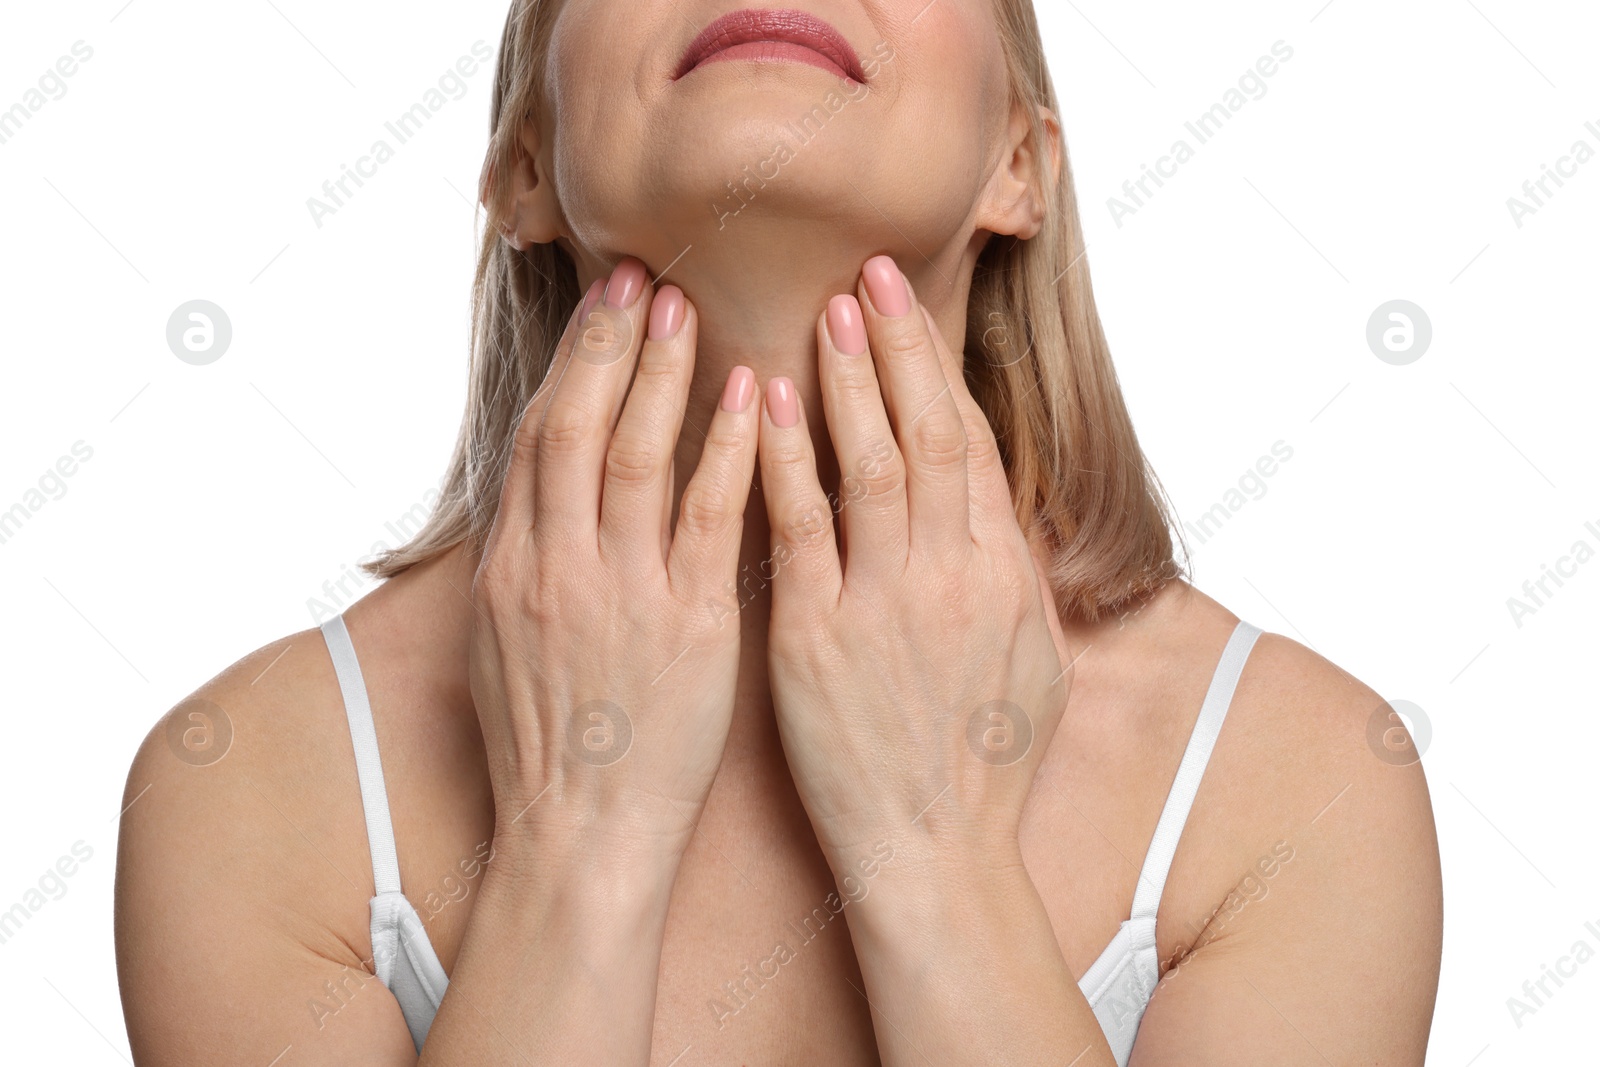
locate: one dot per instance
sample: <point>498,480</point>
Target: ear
<point>532,213</point>
<point>1015,202</point>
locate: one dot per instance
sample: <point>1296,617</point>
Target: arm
<point>560,938</point>
<point>604,687</point>
<point>963,967</point>
<point>918,678</point>
<point>599,757</point>
<point>1326,952</point>
<point>1332,958</point>
<point>224,889</point>
<point>241,939</point>
<point>917,685</point>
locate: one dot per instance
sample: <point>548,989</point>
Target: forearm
<point>962,967</point>
<point>558,939</point>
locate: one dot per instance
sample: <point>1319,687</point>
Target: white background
<point>1419,498</point>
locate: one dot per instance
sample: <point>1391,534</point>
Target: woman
<point>795,674</point>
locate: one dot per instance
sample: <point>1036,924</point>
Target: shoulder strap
<point>374,797</point>
<point>1158,861</point>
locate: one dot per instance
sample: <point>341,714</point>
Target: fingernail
<point>845,326</point>
<point>666,313</point>
<point>782,404</point>
<point>887,286</point>
<point>740,388</point>
<point>627,282</point>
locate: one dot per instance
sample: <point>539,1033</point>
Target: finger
<point>666,507</point>
<point>575,432</point>
<point>805,559</point>
<point>872,475</point>
<point>922,409</point>
<point>1053,620</point>
<point>993,515</point>
<point>1052,616</point>
<point>704,557</point>
<point>639,460</point>
<point>516,507</point>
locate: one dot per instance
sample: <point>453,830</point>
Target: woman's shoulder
<point>1288,694</point>
<point>1311,764</point>
<point>1304,739</point>
<point>243,874</point>
<point>267,717</point>
<point>241,805</point>
<point>1309,864</point>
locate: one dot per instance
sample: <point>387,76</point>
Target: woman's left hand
<point>919,678</point>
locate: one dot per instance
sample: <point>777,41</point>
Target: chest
<point>757,964</point>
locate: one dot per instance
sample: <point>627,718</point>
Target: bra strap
<point>1164,845</point>
<point>374,797</point>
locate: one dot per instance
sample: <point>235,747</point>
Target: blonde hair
<point>1036,360</point>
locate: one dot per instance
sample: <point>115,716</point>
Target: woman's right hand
<point>606,646</point>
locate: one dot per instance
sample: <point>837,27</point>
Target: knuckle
<point>526,439</point>
<point>982,454</point>
<point>980,435</point>
<point>563,430</point>
<point>545,594</point>
<point>499,580</point>
<point>886,487</point>
<point>533,604</point>
<point>703,513</point>
<point>903,342</point>
<point>489,583</point>
<point>787,457</point>
<point>940,441</point>
<point>806,525</point>
<point>875,481</point>
<point>953,594</point>
<point>721,440</point>
<point>630,463</point>
<point>856,388</point>
<point>656,369</point>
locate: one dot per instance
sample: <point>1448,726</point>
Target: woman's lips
<point>784,34</point>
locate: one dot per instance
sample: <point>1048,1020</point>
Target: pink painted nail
<point>666,312</point>
<point>887,287</point>
<point>627,282</point>
<point>782,404</point>
<point>741,387</point>
<point>845,327</point>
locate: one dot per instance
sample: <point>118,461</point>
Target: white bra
<point>1118,985</point>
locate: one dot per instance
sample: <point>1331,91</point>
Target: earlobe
<point>531,209</point>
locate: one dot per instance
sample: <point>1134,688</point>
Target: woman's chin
<point>735,204</point>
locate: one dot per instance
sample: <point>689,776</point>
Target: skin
<point>783,741</point>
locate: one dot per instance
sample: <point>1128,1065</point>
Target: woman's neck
<point>758,297</point>
<point>762,316</point>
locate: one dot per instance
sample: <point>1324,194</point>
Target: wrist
<point>924,858</point>
<point>602,870</point>
<point>599,903</point>
<point>573,828</point>
<point>933,889</point>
